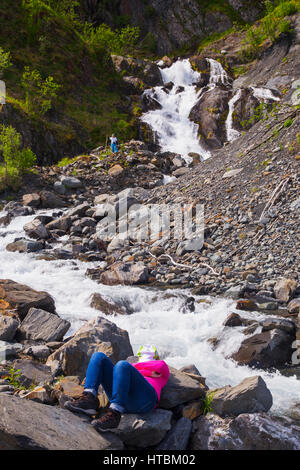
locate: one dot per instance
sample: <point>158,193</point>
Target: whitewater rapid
<point>181,339</point>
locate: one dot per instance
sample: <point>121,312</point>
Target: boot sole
<point>99,429</point>
<point>69,406</point>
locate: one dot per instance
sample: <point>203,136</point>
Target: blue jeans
<point>126,388</point>
<point>114,148</point>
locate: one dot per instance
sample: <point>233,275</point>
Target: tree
<point>5,62</point>
<point>16,159</point>
<point>39,93</point>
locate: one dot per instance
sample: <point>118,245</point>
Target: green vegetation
<point>288,123</point>
<point>39,93</point>
<point>207,404</point>
<point>270,27</point>
<point>15,160</point>
<point>13,378</point>
<point>5,62</point>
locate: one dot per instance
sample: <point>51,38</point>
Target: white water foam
<point>232,134</point>
<point>264,94</point>
<point>176,133</point>
<point>180,338</point>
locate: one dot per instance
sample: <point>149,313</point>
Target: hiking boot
<point>87,404</point>
<point>108,422</point>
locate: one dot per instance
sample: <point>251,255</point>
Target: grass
<point>207,403</point>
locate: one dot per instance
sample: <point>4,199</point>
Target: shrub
<point>15,159</point>
<point>39,93</point>
<point>4,61</point>
<point>109,41</point>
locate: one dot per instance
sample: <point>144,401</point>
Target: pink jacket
<point>146,369</point>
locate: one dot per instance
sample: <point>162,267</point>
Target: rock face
<point>250,396</point>
<point>125,273</point>
<point>246,432</point>
<point>22,297</point>
<point>210,113</point>
<point>144,430</point>
<point>146,71</point>
<point>267,349</point>
<point>179,389</point>
<point>40,325</point>
<point>33,426</point>
<point>96,335</point>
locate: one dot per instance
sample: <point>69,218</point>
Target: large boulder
<point>95,335</point>
<point>40,325</point>
<point>109,308</point>
<point>257,431</point>
<point>22,298</point>
<point>125,273</point>
<point>25,246</point>
<point>35,229</point>
<point>210,113</point>
<point>250,396</point>
<point>62,223</point>
<point>146,71</point>
<point>284,289</point>
<point>25,424</point>
<point>51,201</point>
<point>270,348</point>
<point>31,200</point>
<point>180,388</point>
<point>144,430</point>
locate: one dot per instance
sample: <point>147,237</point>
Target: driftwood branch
<point>184,265</point>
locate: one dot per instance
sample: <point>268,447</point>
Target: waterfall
<point>217,74</point>
<point>232,133</point>
<point>176,133</point>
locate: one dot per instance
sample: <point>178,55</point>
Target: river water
<point>181,338</point>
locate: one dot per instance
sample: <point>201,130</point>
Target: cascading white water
<point>171,123</point>
<point>217,74</point>
<point>232,133</point>
<point>264,94</point>
<point>154,312</point>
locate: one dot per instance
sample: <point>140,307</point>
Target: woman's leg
<point>99,372</point>
<point>131,393</point>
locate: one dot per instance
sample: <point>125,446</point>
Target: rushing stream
<point>157,317</point>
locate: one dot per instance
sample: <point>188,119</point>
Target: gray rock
<point>25,246</point>
<point>280,323</point>
<point>125,273</point>
<point>40,325</point>
<point>79,210</point>
<point>8,328</point>
<point>177,438</point>
<point>250,396</point>
<point>29,425</point>
<point>144,430</point>
<point>36,229</point>
<point>31,200</point>
<point>179,389</point>
<point>71,182</point>
<point>257,431</point>
<point>32,372</point>
<point>38,352</point>
<point>51,201</point>
<point>284,289</point>
<point>294,306</point>
<point>95,335</point>
<point>59,187</point>
<point>62,223</point>
<point>9,350</point>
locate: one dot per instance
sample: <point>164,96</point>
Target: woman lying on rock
<point>130,388</point>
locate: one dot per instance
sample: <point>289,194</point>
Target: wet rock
<point>25,246</point>
<point>271,348</point>
<point>284,289</point>
<point>257,431</point>
<point>250,396</point>
<point>248,305</point>
<point>177,438</point>
<point>144,430</point>
<point>108,308</point>
<point>95,335</point>
<point>125,273</point>
<point>62,223</point>
<point>285,325</point>
<point>36,229</point>
<point>146,71</point>
<point>233,319</point>
<point>16,209</point>
<point>40,325</point>
<point>22,297</point>
<point>188,306</point>
<point>20,428</point>
<point>8,328</point>
<point>190,369</point>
